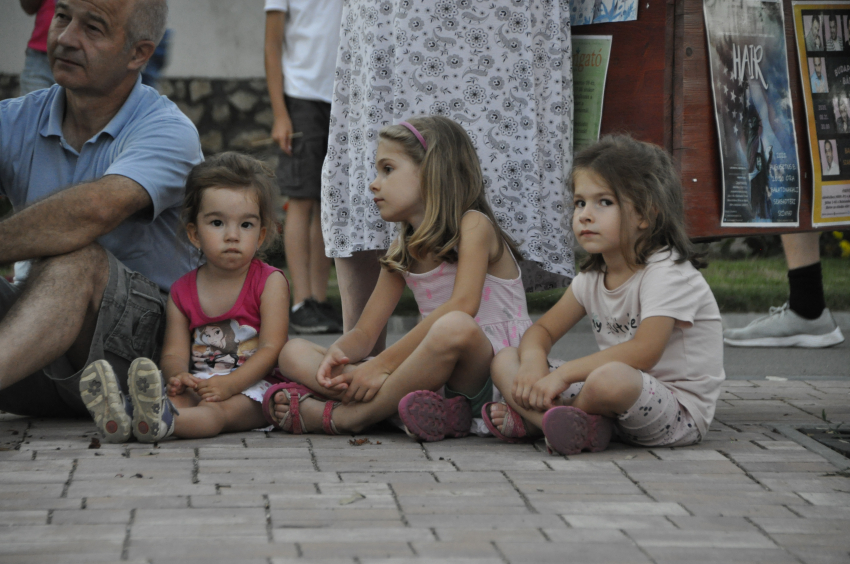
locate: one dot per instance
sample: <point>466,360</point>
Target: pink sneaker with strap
<point>570,430</point>
<point>428,416</point>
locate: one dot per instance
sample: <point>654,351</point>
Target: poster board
<point>659,90</point>
<point>822,33</point>
<point>760,173</point>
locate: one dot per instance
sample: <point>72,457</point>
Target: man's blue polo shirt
<point>149,140</point>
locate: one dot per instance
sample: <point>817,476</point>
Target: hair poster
<point>752,104</point>
<point>823,46</point>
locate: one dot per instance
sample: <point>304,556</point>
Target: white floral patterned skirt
<point>502,69</point>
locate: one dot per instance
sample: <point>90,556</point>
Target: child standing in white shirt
<point>656,378</point>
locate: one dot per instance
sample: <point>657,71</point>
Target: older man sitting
<point>95,169</point>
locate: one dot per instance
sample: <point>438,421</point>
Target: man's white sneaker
<point>784,328</point>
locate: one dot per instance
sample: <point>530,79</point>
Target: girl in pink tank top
<point>462,269</point>
<point>225,322</point>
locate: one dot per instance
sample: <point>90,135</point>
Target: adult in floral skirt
<point>500,68</point>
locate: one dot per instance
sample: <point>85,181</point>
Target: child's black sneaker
<point>308,319</point>
<point>331,314</point>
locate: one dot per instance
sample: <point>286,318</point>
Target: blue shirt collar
<point>53,125</point>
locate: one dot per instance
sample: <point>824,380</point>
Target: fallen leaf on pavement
<point>358,442</point>
<point>349,500</point>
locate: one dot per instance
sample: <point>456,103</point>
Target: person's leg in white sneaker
<point>804,321</point>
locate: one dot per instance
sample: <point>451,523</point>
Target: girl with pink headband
<point>462,269</point>
<point>501,69</point>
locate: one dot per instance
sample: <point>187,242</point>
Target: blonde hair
<point>451,183</point>
<point>644,175</point>
<point>234,170</point>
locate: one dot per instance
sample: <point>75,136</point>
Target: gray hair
<point>146,22</point>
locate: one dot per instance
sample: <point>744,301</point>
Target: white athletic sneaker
<point>784,328</point>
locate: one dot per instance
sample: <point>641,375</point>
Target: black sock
<point>806,297</point>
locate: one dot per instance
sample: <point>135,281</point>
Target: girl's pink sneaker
<point>570,430</point>
<point>428,416</point>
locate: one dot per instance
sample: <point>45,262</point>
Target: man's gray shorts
<point>130,324</point>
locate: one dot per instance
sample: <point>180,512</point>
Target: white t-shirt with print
<point>692,363</point>
<point>310,43</point>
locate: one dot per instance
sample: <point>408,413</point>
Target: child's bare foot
<point>505,423</point>
<point>296,412</point>
<point>497,414</point>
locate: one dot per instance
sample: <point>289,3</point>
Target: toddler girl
<point>461,268</point>
<point>657,375</point>
<point>216,353</point>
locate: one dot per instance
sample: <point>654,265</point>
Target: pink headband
<point>416,133</point>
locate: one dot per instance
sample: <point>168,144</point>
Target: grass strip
<point>747,285</point>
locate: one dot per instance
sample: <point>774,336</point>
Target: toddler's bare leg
<point>187,399</point>
<point>208,419</point>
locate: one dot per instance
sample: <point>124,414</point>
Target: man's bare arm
<point>71,219</point>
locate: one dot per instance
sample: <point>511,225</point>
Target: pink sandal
<point>428,416</point>
<point>570,430</point>
<point>513,429</point>
<point>327,423</point>
<point>295,392</point>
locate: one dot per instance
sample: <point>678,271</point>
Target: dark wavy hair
<point>644,175</point>
<point>238,171</point>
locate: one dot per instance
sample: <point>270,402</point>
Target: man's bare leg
<point>320,264</point>
<point>55,315</point>
<point>357,276</point>
<point>801,249</point>
<point>296,242</point>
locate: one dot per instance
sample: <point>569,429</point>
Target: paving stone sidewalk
<point>755,490</point>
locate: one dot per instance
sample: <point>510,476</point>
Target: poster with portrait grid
<point>823,44</point>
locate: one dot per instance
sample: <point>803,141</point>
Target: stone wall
<point>9,86</point>
<point>229,114</point>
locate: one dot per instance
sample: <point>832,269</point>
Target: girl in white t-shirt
<point>657,375</point>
